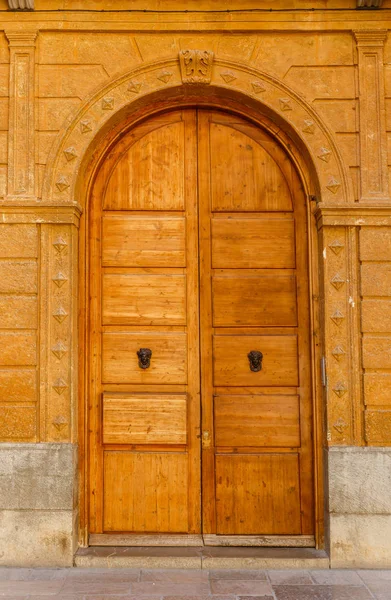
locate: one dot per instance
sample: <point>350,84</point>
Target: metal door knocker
<point>255,359</point>
<point>144,358</point>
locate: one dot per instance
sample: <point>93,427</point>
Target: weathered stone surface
<point>359,480</point>
<point>360,541</point>
<point>31,538</point>
<point>37,476</point>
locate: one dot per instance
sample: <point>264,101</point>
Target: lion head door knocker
<point>255,359</point>
<point>144,358</point>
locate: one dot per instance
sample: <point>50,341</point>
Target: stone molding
<point>21,4</point>
<point>369,3</point>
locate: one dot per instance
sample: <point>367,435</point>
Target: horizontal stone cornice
<point>356,215</point>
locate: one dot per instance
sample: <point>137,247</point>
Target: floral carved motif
<point>196,66</point>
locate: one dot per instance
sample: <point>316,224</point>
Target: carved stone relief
<point>196,66</point>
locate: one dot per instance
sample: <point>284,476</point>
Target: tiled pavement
<point>135,584</point>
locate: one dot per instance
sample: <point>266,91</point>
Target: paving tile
<point>380,589</point>
<point>175,575</point>
<point>30,588</point>
<point>237,574</point>
<point>335,577</point>
<point>252,597</point>
<point>170,588</point>
<point>374,575</point>
<point>290,577</point>
<point>104,575</point>
<point>208,597</point>
<point>249,588</point>
<point>81,586</point>
<point>12,574</point>
<point>321,592</point>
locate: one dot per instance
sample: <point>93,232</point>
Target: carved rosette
<point>58,331</point>
<point>341,326</point>
<point>196,66</point>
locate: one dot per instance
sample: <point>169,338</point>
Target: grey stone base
<point>359,501</point>
<point>38,504</point>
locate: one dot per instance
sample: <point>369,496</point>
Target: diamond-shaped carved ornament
<point>85,126</point>
<point>228,77</point>
<point>336,246</point>
<point>59,350</point>
<point>337,281</point>
<point>309,126</point>
<point>340,389</point>
<point>285,104</point>
<point>340,426</point>
<point>165,76</point>
<point>60,314</point>
<point>333,185</point>
<point>134,87</point>
<point>70,153</point>
<point>60,422</point>
<point>62,183</point>
<point>338,353</point>
<point>337,317</point>
<point>324,154</point>
<point>107,103</point>
<point>60,244</point>
<point>60,386</point>
<point>59,279</point>
<point>258,87</point>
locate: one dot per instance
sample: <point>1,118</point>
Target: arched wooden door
<point>200,410</point>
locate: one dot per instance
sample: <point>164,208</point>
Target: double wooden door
<point>199,361</point>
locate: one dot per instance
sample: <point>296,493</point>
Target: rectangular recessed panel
<point>243,243</point>
<point>232,365</point>
<point>144,419</point>
<point>18,348</point>
<point>257,421</point>
<point>150,495</point>
<point>18,312</point>
<point>18,423</point>
<point>18,385</point>
<point>137,241</point>
<point>18,276</point>
<point>376,352</point>
<point>168,362</point>
<point>146,299</point>
<point>258,494</point>
<point>376,316</point>
<point>257,300</point>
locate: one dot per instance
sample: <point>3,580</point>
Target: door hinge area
<point>323,371</point>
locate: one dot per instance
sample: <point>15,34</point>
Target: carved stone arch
<point>159,86</point>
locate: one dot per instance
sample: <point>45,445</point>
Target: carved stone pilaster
<point>21,160</point>
<point>373,137</point>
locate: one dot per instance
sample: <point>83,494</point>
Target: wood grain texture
<point>258,494</point>
<point>257,421</point>
<point>143,241</point>
<point>279,365</point>
<point>254,299</point>
<point>147,496</point>
<point>144,299</point>
<point>249,243</point>
<point>144,419</point>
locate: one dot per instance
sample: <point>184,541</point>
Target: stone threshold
<point>200,558</point>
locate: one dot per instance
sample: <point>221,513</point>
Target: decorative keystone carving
<point>60,314</point>
<point>59,386</point>
<point>338,353</point>
<point>21,4</point>
<point>59,279</point>
<point>337,317</point>
<point>228,77</point>
<point>62,183</point>
<point>340,425</point>
<point>340,389</point>
<point>333,185</point>
<point>85,126</point>
<point>165,76</point>
<point>60,422</point>
<point>134,87</point>
<point>325,154</point>
<point>196,66</point>
<point>285,104</point>
<point>59,350</point>
<point>70,153</point>
<point>337,281</point>
<point>107,103</point>
<point>60,244</point>
<point>336,246</point>
<point>258,87</point>
<point>309,126</point>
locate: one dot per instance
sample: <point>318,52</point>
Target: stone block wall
<point>325,76</point>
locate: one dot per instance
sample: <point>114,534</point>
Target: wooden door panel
<point>150,176</point>
<point>279,364</point>
<point>256,421</point>
<point>120,361</point>
<point>259,300</point>
<point>144,299</point>
<point>146,492</point>
<point>144,419</point>
<point>258,494</point>
<point>262,243</point>
<point>143,241</point>
<point>244,177</point>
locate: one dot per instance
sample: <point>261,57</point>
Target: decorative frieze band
<point>373,136</point>
<point>21,4</point>
<point>21,130</point>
